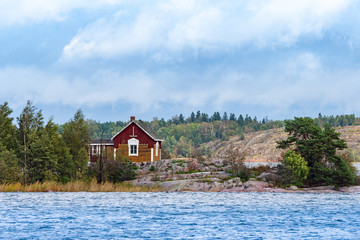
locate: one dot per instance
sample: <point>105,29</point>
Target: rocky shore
<point>179,175</point>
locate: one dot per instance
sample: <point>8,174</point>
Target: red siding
<point>143,137</point>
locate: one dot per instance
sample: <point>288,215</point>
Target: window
<point>94,147</point>
<point>133,150</point>
<point>133,144</point>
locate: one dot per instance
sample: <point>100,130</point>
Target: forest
<point>32,150</point>
<point>184,135</point>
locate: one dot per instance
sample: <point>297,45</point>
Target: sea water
<point>185,215</point>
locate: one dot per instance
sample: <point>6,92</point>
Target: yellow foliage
<point>76,186</point>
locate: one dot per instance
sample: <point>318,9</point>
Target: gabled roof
<point>145,127</point>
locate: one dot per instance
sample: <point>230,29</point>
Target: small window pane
<point>133,149</point>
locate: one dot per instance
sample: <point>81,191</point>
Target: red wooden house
<point>137,141</point>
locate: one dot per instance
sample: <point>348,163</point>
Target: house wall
<point>144,153</point>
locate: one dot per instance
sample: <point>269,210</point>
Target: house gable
<point>133,130</point>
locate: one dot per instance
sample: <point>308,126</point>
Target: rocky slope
<point>212,175</point>
<point>261,146</point>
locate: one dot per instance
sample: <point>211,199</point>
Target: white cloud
<point>34,11</point>
<point>207,25</point>
<point>297,81</point>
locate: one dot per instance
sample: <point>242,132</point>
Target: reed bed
<point>76,186</point>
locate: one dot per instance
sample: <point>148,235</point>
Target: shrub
<point>194,165</point>
<point>152,168</point>
<point>235,157</point>
<point>115,171</point>
<point>294,168</point>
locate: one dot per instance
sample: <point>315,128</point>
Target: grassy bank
<point>77,186</point>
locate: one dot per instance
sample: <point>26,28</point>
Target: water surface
<point>179,216</point>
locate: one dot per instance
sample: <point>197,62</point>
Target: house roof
<point>145,127</point>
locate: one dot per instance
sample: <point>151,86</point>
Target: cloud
<point>175,26</point>
<point>14,12</point>
<point>300,80</point>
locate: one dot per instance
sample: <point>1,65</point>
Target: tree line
<point>33,150</point>
<point>184,135</point>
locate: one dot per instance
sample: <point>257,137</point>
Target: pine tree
<point>7,129</point>
<point>318,147</point>
<point>192,117</point>
<point>77,139</point>
<point>181,118</point>
<point>30,123</point>
<point>225,117</point>
<point>241,121</point>
<point>198,115</point>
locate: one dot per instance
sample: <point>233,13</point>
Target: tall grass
<point>76,186</point>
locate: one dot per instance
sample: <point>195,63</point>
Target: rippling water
<point>179,216</point>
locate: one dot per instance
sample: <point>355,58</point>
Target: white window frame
<point>94,149</point>
<point>157,149</point>
<point>135,143</point>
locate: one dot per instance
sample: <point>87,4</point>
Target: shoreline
<point>79,186</point>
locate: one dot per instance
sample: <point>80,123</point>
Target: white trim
<point>152,154</point>
<point>114,153</point>
<point>103,144</point>
<point>157,149</point>
<point>122,130</point>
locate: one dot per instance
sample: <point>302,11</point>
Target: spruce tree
<point>77,139</point>
<point>30,123</point>
<point>7,129</point>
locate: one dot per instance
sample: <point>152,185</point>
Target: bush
<point>152,168</point>
<point>194,165</point>
<point>294,169</point>
<point>243,173</point>
<point>115,171</point>
<point>235,157</point>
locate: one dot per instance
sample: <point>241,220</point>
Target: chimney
<point>132,118</point>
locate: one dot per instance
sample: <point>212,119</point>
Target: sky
<point>118,58</point>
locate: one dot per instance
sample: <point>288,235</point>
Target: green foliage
<point>9,169</point>
<point>318,147</point>
<point>77,138</point>
<point>294,169</point>
<point>7,129</point>
<point>29,133</point>
<point>152,168</point>
<point>182,135</point>
<point>336,121</point>
<point>115,171</point>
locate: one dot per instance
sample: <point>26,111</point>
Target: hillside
<point>261,146</point>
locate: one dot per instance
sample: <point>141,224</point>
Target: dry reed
<point>76,186</point>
